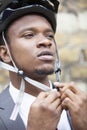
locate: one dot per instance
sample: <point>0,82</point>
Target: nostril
<point>44,43</point>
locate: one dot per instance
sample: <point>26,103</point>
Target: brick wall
<point>71,38</point>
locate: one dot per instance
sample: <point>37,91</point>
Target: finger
<point>43,95</point>
<point>71,86</point>
<point>53,95</point>
<point>67,104</point>
<point>40,99</point>
<point>59,85</point>
<point>56,103</point>
<point>68,93</point>
<point>59,110</point>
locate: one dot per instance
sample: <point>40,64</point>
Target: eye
<point>50,36</point>
<point>28,35</point>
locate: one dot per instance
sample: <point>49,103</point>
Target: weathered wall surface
<point>71,38</point>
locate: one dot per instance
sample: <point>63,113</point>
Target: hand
<point>45,111</point>
<point>75,101</point>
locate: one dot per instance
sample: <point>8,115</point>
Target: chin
<point>44,71</point>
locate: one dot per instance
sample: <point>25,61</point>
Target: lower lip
<point>46,58</point>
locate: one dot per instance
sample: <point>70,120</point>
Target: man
<point>28,51</point>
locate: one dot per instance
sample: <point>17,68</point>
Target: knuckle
<point>46,107</point>
<point>51,109</point>
<point>55,94</point>
<point>84,98</point>
<point>66,101</point>
<point>76,110</point>
<point>43,106</point>
<point>41,93</point>
<point>66,93</point>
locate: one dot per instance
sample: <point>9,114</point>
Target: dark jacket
<point>6,107</point>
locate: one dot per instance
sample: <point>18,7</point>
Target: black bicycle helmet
<point>10,10</point>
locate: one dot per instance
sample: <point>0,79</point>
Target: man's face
<point>32,46</point>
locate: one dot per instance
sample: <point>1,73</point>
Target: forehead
<point>29,21</point>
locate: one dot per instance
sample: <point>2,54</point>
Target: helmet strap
<point>57,65</point>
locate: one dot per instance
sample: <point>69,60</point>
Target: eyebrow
<point>32,28</point>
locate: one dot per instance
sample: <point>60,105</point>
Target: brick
<point>4,79</point>
<point>85,54</point>
<point>82,4</point>
<point>82,18</point>
<point>52,77</point>
<point>81,85</point>
<point>69,55</point>
<point>78,39</point>
<point>75,5</point>
<point>61,39</point>
<point>67,22</point>
<point>79,72</point>
<point>1,79</point>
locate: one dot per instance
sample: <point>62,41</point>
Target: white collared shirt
<point>25,106</point>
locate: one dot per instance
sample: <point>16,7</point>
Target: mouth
<point>46,55</point>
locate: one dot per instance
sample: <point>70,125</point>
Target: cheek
<point>22,54</point>
<point>54,49</point>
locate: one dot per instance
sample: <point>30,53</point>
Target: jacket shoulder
<point>6,108</point>
<point>3,98</point>
<point>2,125</point>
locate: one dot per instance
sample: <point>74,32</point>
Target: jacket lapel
<point>6,107</point>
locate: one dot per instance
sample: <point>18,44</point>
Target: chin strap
<point>22,87</point>
<point>57,65</point>
<point>18,101</point>
<point>29,80</point>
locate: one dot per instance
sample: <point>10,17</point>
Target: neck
<point>30,89</point>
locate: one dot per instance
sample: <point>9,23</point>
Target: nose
<point>44,41</point>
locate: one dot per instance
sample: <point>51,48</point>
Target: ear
<point>4,54</point>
